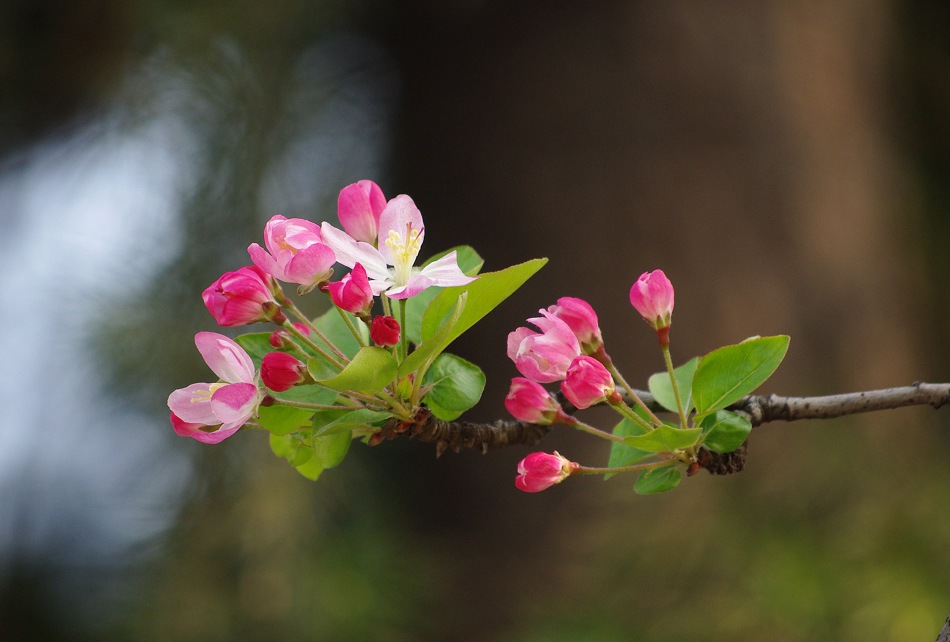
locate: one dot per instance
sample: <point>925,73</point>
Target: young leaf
<point>665,439</point>
<point>658,480</point>
<point>726,375</point>
<point>292,448</point>
<point>485,294</point>
<point>256,344</point>
<point>725,431</point>
<point>372,369</point>
<point>311,468</point>
<point>349,420</point>
<point>429,350</point>
<point>662,390</point>
<point>282,420</point>
<point>624,454</point>
<point>470,263</point>
<point>457,385</point>
<point>330,450</point>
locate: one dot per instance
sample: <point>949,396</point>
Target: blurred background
<point>786,164</point>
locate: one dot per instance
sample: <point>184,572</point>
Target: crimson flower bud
<point>384,331</point>
<point>539,471</point>
<point>353,292</point>
<point>587,382</point>
<point>281,371</point>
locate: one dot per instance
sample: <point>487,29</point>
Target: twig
<point>458,435</point>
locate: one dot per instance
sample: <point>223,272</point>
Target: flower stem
<point>403,341</point>
<point>580,425</point>
<point>604,358</point>
<point>592,470</point>
<point>349,324</point>
<point>676,389</point>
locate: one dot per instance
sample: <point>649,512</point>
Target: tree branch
<point>456,435</point>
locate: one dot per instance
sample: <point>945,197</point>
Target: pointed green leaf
<point>485,294</point>
<point>725,431</point>
<point>256,344</point>
<point>662,390</point>
<point>330,450</point>
<point>658,480</point>
<point>371,370</point>
<point>311,468</point>
<point>457,385</point>
<point>282,420</point>
<point>429,350</point>
<point>726,375</point>
<point>665,439</point>
<point>349,420</point>
<point>470,263</point>
<point>624,454</point>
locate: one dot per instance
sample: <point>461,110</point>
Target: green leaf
<point>726,375</point>
<point>349,420</point>
<point>457,385</point>
<point>282,420</point>
<point>725,431</point>
<point>470,263</point>
<point>665,439</point>
<point>658,480</point>
<point>334,327</point>
<point>624,454</point>
<point>371,370</point>
<point>428,351</point>
<point>311,468</point>
<point>662,390</point>
<point>256,344</point>
<point>485,294</point>
<point>293,448</point>
<point>330,450</point>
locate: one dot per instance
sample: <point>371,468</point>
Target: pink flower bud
<point>353,292</point>
<point>581,318</point>
<point>281,371</point>
<point>384,331</point>
<point>529,401</point>
<point>652,296</point>
<point>587,382</point>
<point>281,338</point>
<point>241,297</point>
<point>539,471</point>
<point>295,252</point>
<point>545,356</point>
<point>359,207</point>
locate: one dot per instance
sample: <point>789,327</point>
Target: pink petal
<point>446,272</point>
<point>193,404</point>
<point>226,358</point>
<point>233,405</point>
<point>349,252</point>
<point>400,213</point>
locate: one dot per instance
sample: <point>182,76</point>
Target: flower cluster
<point>568,347</point>
<point>380,242</point>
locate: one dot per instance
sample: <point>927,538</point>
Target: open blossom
<point>295,252</point>
<point>353,292</point>
<point>391,267</point>
<point>543,357</point>
<point>529,401</point>
<point>241,297</point>
<point>539,471</point>
<point>580,316</point>
<point>652,296</point>
<point>359,207</point>
<point>212,412</point>
<point>587,382</point>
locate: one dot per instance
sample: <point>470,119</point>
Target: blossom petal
<point>226,358</point>
<point>193,404</point>
<point>399,215</point>
<point>349,252</point>
<point>233,405</point>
